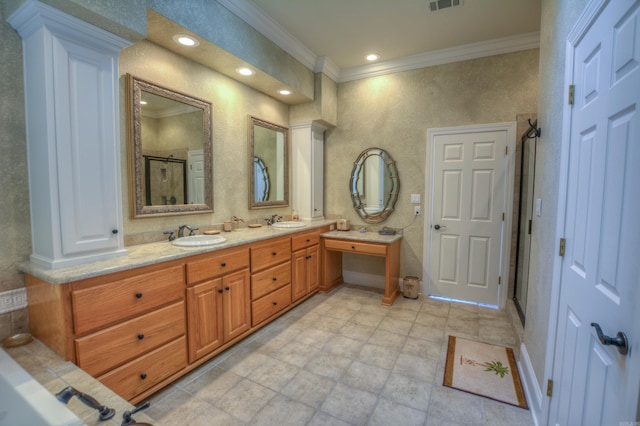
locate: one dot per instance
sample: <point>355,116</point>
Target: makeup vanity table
<point>335,243</point>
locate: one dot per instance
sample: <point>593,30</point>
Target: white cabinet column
<point>73,136</point>
<point>307,169</point>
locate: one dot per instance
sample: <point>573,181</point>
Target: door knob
<point>620,341</point>
<point>436,227</point>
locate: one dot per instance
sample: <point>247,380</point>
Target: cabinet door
<point>236,304</point>
<point>204,307</point>
<point>299,281</point>
<point>313,268</point>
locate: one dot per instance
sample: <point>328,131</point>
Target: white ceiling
<point>346,30</point>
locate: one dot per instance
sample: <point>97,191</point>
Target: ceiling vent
<point>437,5</point>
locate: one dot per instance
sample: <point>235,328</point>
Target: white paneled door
<point>596,382</point>
<point>465,224</point>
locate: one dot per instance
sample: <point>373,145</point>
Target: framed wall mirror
<point>170,149</point>
<point>268,164</point>
<point>374,185</point>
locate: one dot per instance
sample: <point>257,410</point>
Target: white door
<point>465,226</point>
<point>600,278</point>
<point>195,176</point>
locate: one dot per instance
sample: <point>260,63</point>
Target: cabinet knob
<point>138,295</point>
<point>308,240</point>
<point>143,376</point>
<point>275,303</point>
<point>114,231</point>
<point>140,336</point>
<point>223,264</point>
<point>274,253</point>
<point>353,247</point>
<point>220,290</point>
<point>274,279</point>
<point>227,288</point>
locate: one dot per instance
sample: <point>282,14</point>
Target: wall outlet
<point>417,210</point>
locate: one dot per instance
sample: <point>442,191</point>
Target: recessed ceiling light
<point>372,57</point>
<point>185,40</point>
<point>285,92</point>
<point>245,71</point>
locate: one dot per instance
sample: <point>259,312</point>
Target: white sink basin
<point>289,224</point>
<point>198,240</point>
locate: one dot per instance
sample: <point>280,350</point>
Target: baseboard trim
<point>532,390</point>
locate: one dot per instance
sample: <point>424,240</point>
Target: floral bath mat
<point>485,370</point>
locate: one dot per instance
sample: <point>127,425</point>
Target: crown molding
<point>444,56</point>
<point>264,24</point>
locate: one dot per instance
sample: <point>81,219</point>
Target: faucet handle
<point>192,231</point>
<point>170,234</point>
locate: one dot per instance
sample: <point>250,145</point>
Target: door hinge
<point>499,280</point>
<point>563,244</point>
<point>572,93</point>
<point>549,387</point>
<point>503,216</point>
<point>529,230</point>
<point>506,150</point>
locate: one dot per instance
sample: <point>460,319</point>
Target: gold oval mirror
<point>170,151</point>
<point>374,185</point>
<point>268,164</point>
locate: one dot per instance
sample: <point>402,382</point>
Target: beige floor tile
<point>350,405</point>
<point>323,419</point>
<point>418,368</point>
<point>365,377</point>
<point>387,339</point>
<point>357,331</point>
<point>395,325</point>
<point>245,400</point>
<point>212,385</point>
<point>332,325</point>
<point>343,346</point>
<point>422,348</point>
<point>176,407</point>
<point>212,416</point>
<point>283,411</point>
<point>378,356</point>
<point>296,353</point>
<point>391,413</point>
<point>499,414</point>
<point>407,391</point>
<point>273,374</point>
<point>308,388</point>
<point>402,314</point>
<point>367,318</point>
<point>425,332</point>
<point>328,365</point>
<point>456,406</point>
<point>314,337</point>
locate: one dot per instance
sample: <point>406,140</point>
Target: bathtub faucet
<point>126,416</point>
<point>67,393</point>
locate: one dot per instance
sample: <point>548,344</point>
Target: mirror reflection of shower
<point>165,180</point>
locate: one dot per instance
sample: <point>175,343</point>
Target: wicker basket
<point>411,287</point>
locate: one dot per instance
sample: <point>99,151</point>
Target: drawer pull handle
<point>274,253</point>
<point>140,336</point>
<point>275,278</point>
<point>227,288</point>
<point>220,291</point>
<point>275,303</point>
<point>308,240</point>
<point>138,295</point>
<point>353,247</point>
<point>223,264</point>
<point>143,376</point>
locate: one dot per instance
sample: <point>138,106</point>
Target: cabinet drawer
<point>139,375</point>
<point>270,304</point>
<point>101,351</point>
<point>217,265</point>
<point>305,240</point>
<point>270,254</point>
<point>273,278</point>
<point>106,304</point>
<point>356,247</point>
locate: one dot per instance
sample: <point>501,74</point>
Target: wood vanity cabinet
<point>270,279</point>
<point>305,262</point>
<point>130,331</point>
<point>218,300</point>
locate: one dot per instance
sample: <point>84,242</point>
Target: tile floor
<point>343,359</point>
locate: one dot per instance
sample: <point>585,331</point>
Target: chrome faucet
<point>273,219</point>
<point>192,231</point>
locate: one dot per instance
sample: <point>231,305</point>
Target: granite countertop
<point>153,253</point>
<point>369,236</point>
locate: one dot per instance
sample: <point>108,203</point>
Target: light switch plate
<point>415,198</point>
<point>538,206</point>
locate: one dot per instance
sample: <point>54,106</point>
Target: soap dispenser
<point>294,215</point>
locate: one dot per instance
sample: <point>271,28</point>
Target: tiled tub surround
<point>141,321</point>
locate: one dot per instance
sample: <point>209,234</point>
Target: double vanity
<point>139,322</point>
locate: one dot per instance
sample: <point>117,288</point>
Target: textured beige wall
<point>557,20</point>
<point>394,112</point>
<point>232,103</point>
<point>14,188</point>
